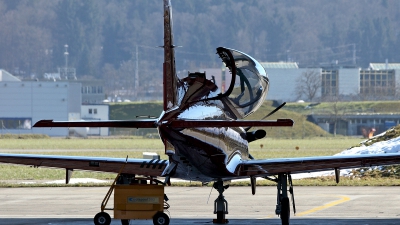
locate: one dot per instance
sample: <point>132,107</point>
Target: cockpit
<point>249,82</point>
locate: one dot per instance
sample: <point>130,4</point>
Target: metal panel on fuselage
<point>211,151</point>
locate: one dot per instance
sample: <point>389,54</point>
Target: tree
<point>308,84</point>
<point>337,114</point>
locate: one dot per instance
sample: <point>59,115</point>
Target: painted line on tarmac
<point>267,217</point>
<point>341,200</point>
<point>328,205</point>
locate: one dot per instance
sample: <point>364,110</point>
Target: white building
<point>96,112</point>
<point>23,103</point>
<point>283,79</point>
<point>379,81</point>
<point>6,76</point>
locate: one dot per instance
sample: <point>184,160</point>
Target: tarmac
<point>194,205</point>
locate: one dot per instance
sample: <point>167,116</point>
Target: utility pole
<point>66,61</point>
<point>66,72</point>
<point>137,72</point>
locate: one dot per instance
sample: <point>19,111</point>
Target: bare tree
<point>308,84</point>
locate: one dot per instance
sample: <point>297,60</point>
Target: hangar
<point>23,103</point>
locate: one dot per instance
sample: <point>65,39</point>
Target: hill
<point>132,111</point>
<point>301,128</point>
<point>346,107</point>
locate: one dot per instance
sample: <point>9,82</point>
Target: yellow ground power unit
<point>140,198</point>
<point>138,201</point>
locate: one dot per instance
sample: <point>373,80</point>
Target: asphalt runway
<point>194,205</point>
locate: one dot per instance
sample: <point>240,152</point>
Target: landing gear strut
<point>220,204</point>
<point>283,204</point>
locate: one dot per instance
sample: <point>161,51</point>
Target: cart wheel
<point>125,222</point>
<point>160,219</point>
<point>102,218</point>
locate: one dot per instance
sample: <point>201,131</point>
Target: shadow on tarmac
<point>275,221</point>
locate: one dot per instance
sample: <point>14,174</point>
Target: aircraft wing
<point>146,167</point>
<point>266,167</point>
<point>173,123</point>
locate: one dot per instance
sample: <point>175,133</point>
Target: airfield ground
<point>315,205</point>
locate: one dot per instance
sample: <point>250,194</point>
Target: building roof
<point>384,66</point>
<point>6,76</point>
<point>279,65</point>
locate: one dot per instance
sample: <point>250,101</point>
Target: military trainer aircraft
<point>204,134</point>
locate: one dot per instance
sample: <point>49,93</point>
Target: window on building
<point>330,80</point>
<point>377,83</point>
<point>90,111</point>
<point>94,111</point>
<point>16,123</point>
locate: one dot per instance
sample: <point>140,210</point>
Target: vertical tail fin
<point>169,71</point>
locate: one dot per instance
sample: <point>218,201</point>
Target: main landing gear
<point>282,205</point>
<point>220,204</point>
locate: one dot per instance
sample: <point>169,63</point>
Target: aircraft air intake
<point>255,135</point>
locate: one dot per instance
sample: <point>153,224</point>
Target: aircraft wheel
<point>285,211</point>
<point>102,218</point>
<point>160,219</point>
<point>220,216</point>
<point>125,222</point>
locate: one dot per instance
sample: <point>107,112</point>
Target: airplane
<point>205,135</point>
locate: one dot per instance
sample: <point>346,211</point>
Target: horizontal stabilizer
<point>232,123</point>
<point>98,123</point>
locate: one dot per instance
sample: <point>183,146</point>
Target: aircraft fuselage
<point>206,154</point>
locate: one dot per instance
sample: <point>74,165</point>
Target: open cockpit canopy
<point>249,81</point>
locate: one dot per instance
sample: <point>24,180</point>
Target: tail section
<point>170,79</point>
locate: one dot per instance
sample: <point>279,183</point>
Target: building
<point>381,81</point>
<point>283,79</point>
<point>6,76</point>
<point>92,91</point>
<point>96,112</point>
<point>23,103</point>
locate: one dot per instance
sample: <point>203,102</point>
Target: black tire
<point>220,216</point>
<point>102,218</point>
<point>125,222</point>
<point>160,219</point>
<point>285,211</point>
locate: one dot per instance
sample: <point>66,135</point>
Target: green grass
<point>134,147</point>
<point>281,148</point>
<point>76,143</point>
<point>24,136</point>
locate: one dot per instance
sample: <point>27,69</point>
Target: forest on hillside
<point>110,39</point>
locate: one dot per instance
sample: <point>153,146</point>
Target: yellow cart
<point>138,200</point>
